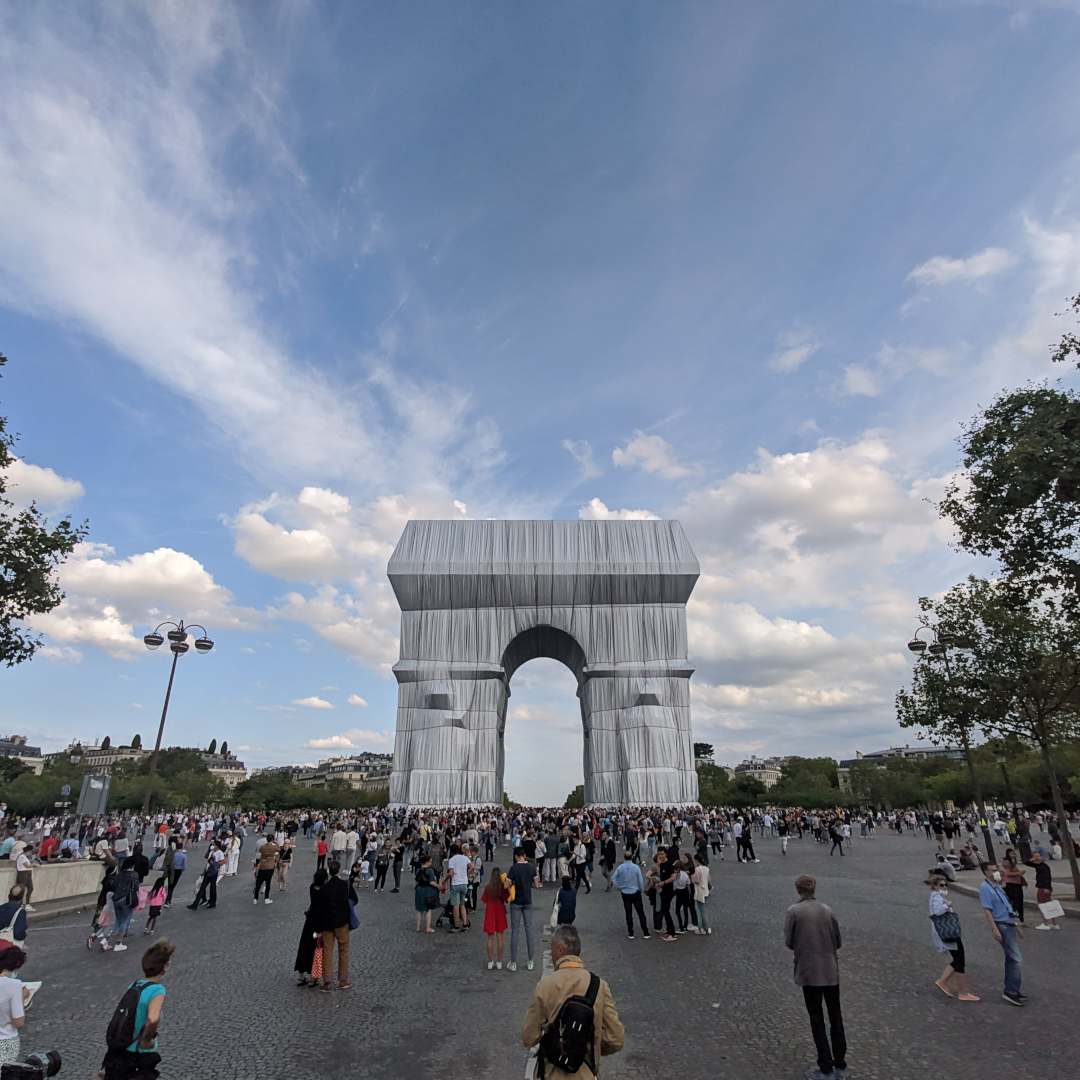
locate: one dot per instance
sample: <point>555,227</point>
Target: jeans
<point>702,921</point>
<point>262,881</point>
<point>520,913</point>
<point>1011,948</point>
<point>827,1056</point>
<point>124,913</point>
<point>632,902</point>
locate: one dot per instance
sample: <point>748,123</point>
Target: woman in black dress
<point>305,951</point>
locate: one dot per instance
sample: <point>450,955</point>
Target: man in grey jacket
<point>813,934</point>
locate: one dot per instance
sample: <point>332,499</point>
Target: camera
<point>32,1067</point>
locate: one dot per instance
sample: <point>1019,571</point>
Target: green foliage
<point>11,769</point>
<point>106,743</point>
<point>746,791</point>
<point>810,782</point>
<point>714,787</point>
<point>276,792</point>
<point>173,761</point>
<point>1019,499</point>
<point>224,749</point>
<point>576,799</point>
<point>212,748</point>
<point>1069,346</point>
<point>703,751</point>
<point>136,741</point>
<point>30,554</point>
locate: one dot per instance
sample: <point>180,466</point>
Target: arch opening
<point>544,642</point>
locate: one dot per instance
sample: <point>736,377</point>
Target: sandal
<point>970,997</point>
<point>947,993</point>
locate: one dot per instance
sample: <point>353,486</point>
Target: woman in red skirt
<point>495,895</point>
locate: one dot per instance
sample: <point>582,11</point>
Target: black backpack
<point>568,1042</point>
<point>121,1033</point>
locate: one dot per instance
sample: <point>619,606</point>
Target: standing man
<point>265,865</point>
<point>521,876</point>
<point>352,839</point>
<point>1002,918</point>
<point>458,865</point>
<point>330,918</point>
<point>813,934</point>
<point>548,1028</point>
<point>24,874</point>
<point>630,882</point>
<point>338,843</point>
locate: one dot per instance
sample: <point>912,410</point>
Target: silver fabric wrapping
<point>480,598</point>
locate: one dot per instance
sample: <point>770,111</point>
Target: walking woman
<point>309,939</point>
<point>1013,882</point>
<point>283,864</point>
<point>426,896</point>
<point>945,921</point>
<point>699,879</point>
<point>494,896</point>
<point>13,996</point>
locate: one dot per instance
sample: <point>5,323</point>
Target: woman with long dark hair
<point>494,897</point>
<point>309,939</point>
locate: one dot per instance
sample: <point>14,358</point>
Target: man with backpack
<point>131,1036</point>
<point>572,1018</point>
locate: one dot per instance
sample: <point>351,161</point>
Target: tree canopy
<point>31,552</point>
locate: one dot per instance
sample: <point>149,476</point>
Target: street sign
<point>65,790</point>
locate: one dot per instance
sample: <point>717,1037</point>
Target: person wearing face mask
<point>1002,922</point>
<point>945,937</point>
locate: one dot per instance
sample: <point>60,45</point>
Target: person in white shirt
<point>700,880</point>
<point>13,997</point>
<point>458,866</point>
<point>233,862</point>
<point>337,846</point>
<point>24,874</point>
<point>352,842</point>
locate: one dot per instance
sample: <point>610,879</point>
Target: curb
<point>1072,910</point>
<point>66,907</point>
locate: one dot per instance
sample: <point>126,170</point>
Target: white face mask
<point>996,875</point>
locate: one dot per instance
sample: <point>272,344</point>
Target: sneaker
<point>491,965</point>
<point>256,900</point>
<point>646,936</point>
<point>511,966</point>
<point>670,937</point>
<point>498,965</point>
<point>30,908</point>
<point>817,1074</point>
<point>709,931</point>
<point>630,936</point>
<point>1044,926</point>
<point>120,947</point>
<point>1012,999</point>
<point>1055,926</point>
<point>757,860</point>
<point>268,901</point>
<point>531,965</point>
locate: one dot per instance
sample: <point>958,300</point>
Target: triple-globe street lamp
<point>938,649</point>
<point>177,637</point>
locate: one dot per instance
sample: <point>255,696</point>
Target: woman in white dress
<point>233,863</point>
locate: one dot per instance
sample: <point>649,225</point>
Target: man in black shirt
<point>521,875</point>
<point>665,872</point>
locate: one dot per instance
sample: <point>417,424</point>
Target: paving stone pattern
<point>723,1006</point>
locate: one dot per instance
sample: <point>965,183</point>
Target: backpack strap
<point>594,989</point>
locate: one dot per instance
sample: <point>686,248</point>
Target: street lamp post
<point>939,649</point>
<point>178,646</point>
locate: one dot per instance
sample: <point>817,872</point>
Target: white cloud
<point>36,483</point>
<point>582,452</point>
<point>353,739</point>
<point>289,554</point>
<point>312,702</point>
<point>651,454</point>
<point>860,381</point>
<point>943,270</point>
<point>324,501</point>
<point>595,510</point>
<point>358,701</point>
<point>793,350</point>
<point>73,624</point>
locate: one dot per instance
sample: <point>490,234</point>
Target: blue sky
<point>275,278</point>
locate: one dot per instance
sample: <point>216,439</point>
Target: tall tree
<point>1019,498</point>
<point>224,749</point>
<point>30,554</point>
<point>212,748</point>
<point>106,743</point>
<point>1019,673</point>
<point>136,741</point>
<point>703,751</point>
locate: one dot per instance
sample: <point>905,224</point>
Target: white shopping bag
<point>1052,909</point>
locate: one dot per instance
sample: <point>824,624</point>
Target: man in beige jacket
<point>570,977</point>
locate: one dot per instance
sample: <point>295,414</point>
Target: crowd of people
<point>657,860</point>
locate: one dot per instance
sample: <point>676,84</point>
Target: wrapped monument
<point>480,598</point>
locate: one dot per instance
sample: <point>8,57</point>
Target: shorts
<point>458,894</point>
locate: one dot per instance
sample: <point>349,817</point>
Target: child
<point>494,896</point>
<point>567,901</point>
<point>154,902</point>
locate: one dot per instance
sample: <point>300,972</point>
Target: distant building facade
<point>361,772</point>
<point>766,771</point>
<point>225,767</point>
<point>95,757</point>
<point>880,758</point>
<point>16,746</point>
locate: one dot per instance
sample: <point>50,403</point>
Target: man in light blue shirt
<point>629,881</point>
<point>1001,918</point>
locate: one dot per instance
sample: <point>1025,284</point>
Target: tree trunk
<point>976,791</point>
<point>1063,821</point>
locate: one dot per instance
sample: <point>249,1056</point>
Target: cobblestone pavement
<point>723,1006</point>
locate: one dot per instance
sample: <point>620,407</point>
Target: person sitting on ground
<point>944,868</point>
<point>571,980</point>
